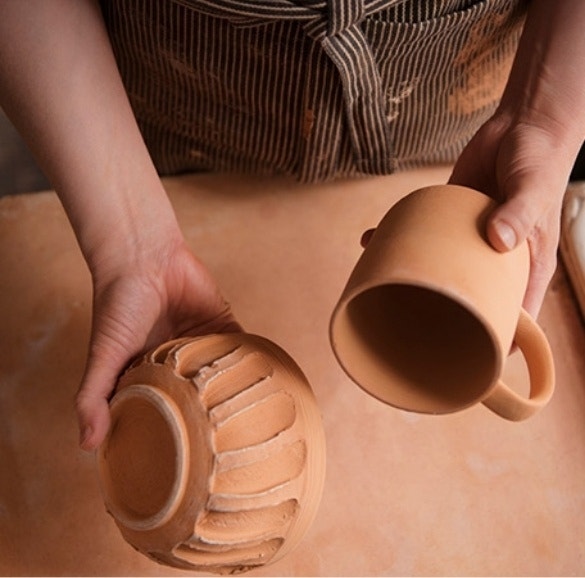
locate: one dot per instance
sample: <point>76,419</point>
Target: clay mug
<point>431,310</point>
<point>215,458</point>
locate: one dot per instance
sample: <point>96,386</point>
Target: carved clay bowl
<point>215,459</point>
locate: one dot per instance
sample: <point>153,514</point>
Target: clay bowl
<point>215,459</point>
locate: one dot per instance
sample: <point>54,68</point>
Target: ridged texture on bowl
<point>257,453</point>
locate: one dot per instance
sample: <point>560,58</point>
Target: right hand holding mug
<point>523,155</point>
<point>514,165</point>
<point>430,311</point>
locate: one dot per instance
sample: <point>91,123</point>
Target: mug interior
<point>416,348</point>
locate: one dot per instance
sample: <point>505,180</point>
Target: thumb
<point>92,401</point>
<point>509,225</point>
<point>526,200</point>
<point>527,215</point>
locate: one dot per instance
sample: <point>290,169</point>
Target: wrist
<point>140,233</point>
<point>548,114</point>
<point>545,88</point>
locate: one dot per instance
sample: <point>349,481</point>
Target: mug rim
<point>456,298</point>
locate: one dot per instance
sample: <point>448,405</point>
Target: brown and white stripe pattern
<point>311,88</point>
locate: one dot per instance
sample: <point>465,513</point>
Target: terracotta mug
<point>431,310</point>
<point>215,459</point>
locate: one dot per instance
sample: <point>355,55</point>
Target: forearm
<point>546,88</point>
<point>61,87</point>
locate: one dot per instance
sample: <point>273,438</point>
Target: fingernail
<point>506,234</point>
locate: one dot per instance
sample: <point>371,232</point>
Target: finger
<point>540,276</point>
<point>225,321</point>
<point>528,216</point>
<point>92,402</point>
<point>475,167</point>
<point>219,325</point>
<point>94,420</point>
<point>222,322</point>
<point>366,237</point>
<point>511,222</point>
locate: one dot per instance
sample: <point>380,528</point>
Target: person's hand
<point>526,170</point>
<point>77,120</point>
<point>136,307</point>
<point>524,154</point>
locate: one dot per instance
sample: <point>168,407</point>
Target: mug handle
<point>536,350</point>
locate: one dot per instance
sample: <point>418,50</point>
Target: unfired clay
<point>430,311</point>
<point>215,459</point>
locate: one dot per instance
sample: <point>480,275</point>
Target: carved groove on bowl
<point>265,452</point>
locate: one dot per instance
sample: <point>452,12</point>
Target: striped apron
<point>314,89</point>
